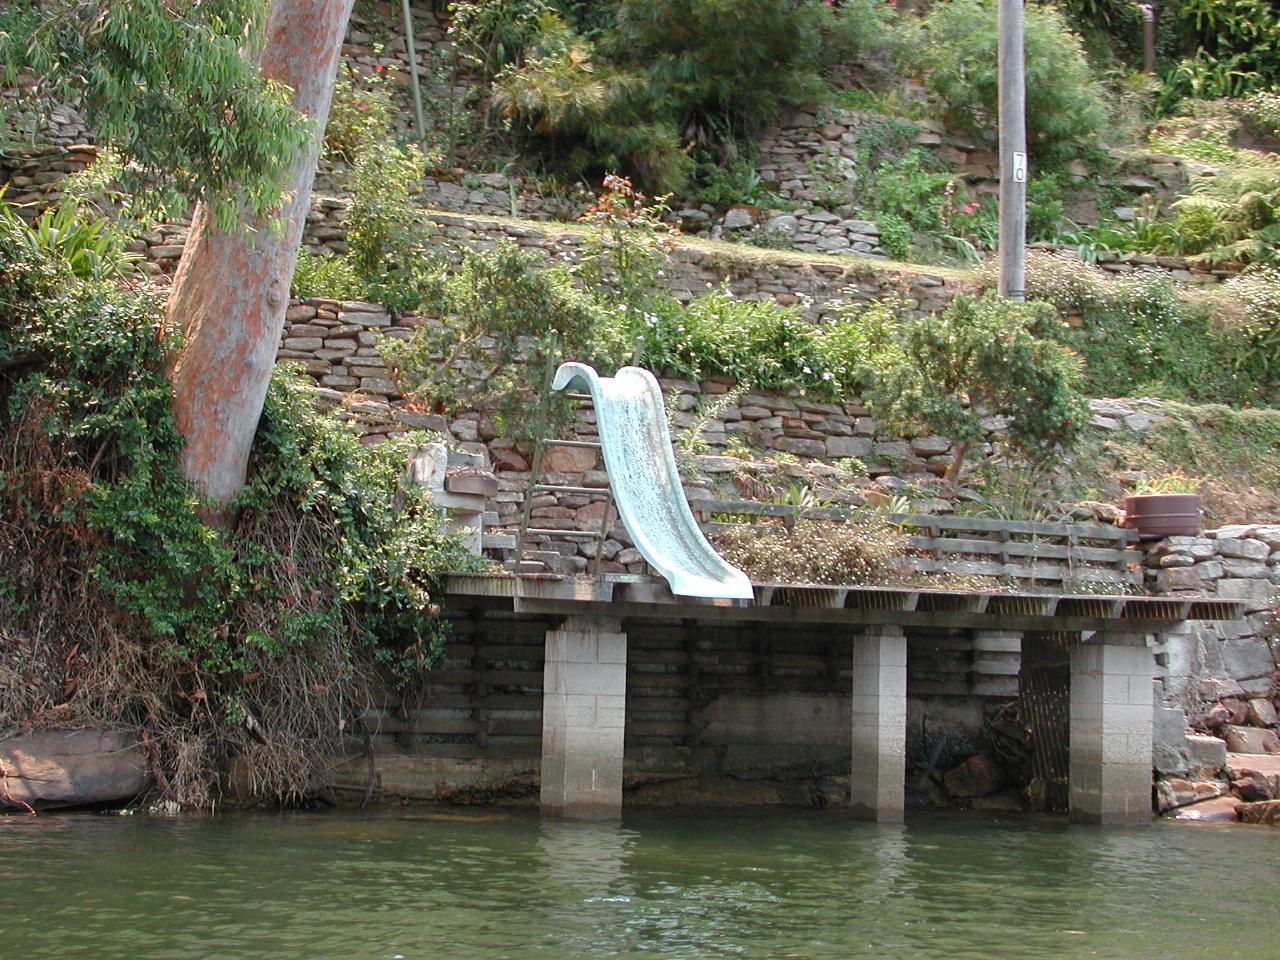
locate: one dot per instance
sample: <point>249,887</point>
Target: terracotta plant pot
<point>1156,515</point>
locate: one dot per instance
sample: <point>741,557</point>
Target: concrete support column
<point>879,724</point>
<point>1111,714</point>
<point>584,706</point>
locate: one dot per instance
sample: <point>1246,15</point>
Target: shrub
<point>1233,214</point>
<point>497,313</point>
<point>122,607</point>
<point>583,117</point>
<point>1251,301</point>
<point>862,551</point>
<point>628,242</point>
<point>757,343</point>
<point>360,113</point>
<point>980,358</point>
<point>384,225</point>
<point>493,34</point>
<point>958,58</point>
<point>711,86</point>
<point>1218,49</point>
<point>329,276</point>
<point>1140,334</point>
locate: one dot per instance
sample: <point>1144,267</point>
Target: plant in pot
<point>1164,506</point>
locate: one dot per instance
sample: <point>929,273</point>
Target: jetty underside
<point>1110,643</point>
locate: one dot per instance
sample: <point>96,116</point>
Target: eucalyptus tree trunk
<point>231,290</point>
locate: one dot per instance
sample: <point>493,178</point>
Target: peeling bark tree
<point>231,290</point>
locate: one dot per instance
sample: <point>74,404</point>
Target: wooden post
<point>1148,38</point>
<point>1013,153</point>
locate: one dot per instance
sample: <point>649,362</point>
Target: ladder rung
<point>546,531</point>
<point>563,489</point>
<point>593,444</point>
<point>579,396</point>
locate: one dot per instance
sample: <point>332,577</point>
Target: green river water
<point>498,883</point>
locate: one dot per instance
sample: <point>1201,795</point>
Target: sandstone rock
<point>68,768</point>
<point>1245,548</point>
<point>1174,793</point>
<point>978,776</point>
<point>800,447</point>
<point>1178,578</point>
<point>1217,810</point>
<point>569,459</point>
<point>714,464</point>
<point>1205,755</point>
<point>509,460</point>
<point>1251,740</point>
<point>1267,812</point>
<point>1262,712</point>
<point>1237,709</point>
<point>741,217</point>
<point>848,447</point>
<point>1247,657</point>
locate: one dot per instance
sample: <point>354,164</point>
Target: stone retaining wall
<point>758,445</point>
<point>1207,662</point>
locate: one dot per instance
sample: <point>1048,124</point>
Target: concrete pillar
<point>879,724</point>
<point>584,705</point>
<point>1111,718</point>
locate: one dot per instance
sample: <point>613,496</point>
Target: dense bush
<point>868,549</point>
<point>957,55</point>
<point>1140,334</point>
<point>979,358</point>
<point>712,63</point>
<point>582,116</point>
<point>384,226</point>
<point>659,90</point>
<point>1218,48</point>
<point>122,607</point>
<point>498,316</point>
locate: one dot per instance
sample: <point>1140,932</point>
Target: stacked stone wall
<point>1210,661</point>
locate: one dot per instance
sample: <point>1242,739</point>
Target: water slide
<point>632,422</point>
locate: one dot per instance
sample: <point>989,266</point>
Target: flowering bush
<point>629,240</point>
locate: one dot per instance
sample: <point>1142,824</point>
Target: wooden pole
<point>1148,37</point>
<point>414,83</point>
<point>1013,152</point>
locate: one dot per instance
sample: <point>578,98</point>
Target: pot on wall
<point>1156,515</point>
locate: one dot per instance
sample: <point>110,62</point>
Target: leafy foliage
<point>174,87</point>
<point>659,91</point>
<point>957,56</point>
<point>976,359</point>
<point>384,225</point>
<point>867,549</point>
<point>1140,334</point>
<point>360,114</point>
<point>253,641</point>
<point>1218,48</point>
<point>498,316</point>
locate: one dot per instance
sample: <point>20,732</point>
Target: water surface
<point>493,884</point>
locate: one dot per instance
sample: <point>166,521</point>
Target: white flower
<point>806,370</point>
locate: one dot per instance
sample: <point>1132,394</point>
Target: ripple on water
<point>664,884</point>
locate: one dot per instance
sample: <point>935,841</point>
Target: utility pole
<point>1013,152</point>
<point>414,82</point>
